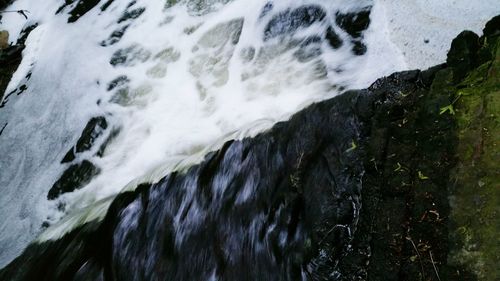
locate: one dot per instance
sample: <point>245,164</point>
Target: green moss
<point>475,190</point>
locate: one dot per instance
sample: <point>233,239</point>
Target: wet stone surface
<point>289,21</point>
<point>75,177</point>
<point>92,131</point>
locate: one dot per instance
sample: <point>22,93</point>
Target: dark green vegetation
<point>475,181</point>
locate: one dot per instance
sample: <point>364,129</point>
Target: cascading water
<point>165,82</point>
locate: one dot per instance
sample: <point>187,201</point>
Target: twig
<point>21,12</point>
<point>419,256</point>
<point>434,265</point>
<point>330,231</point>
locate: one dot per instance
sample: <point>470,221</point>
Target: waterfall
<point>110,94</point>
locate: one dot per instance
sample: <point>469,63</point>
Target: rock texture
<point>10,58</point>
<point>353,188</point>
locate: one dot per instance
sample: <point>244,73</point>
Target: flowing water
<point>169,81</point>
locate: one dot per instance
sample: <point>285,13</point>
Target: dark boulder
<point>463,55</point>
<point>288,21</point>
<point>354,23</point>
<point>25,33</point>
<point>115,36</point>
<point>118,82</point>
<point>129,56</point>
<point>81,8</point>
<point>10,58</point>
<point>75,177</point>
<point>333,38</point>
<point>131,15</point>
<point>359,48</point>
<point>106,5</point>
<point>92,131</point>
<point>492,28</point>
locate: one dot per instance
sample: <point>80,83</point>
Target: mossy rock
<point>475,188</point>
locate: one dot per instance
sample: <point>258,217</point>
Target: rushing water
<point>174,79</point>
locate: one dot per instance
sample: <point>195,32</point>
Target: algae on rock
<point>475,186</point>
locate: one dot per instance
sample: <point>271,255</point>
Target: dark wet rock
<point>81,8</point>
<point>92,131</point>
<point>17,91</point>
<point>492,28</point>
<point>3,128</point>
<point>130,56</point>
<point>405,182</point>
<point>22,88</point>
<point>10,58</point>
<point>11,53</point>
<point>111,137</point>
<point>75,177</point>
<point>24,33</point>
<point>354,23</point>
<point>359,48</point>
<point>95,127</point>
<point>63,6</point>
<point>118,82</point>
<point>463,54</point>
<point>106,5</point>
<point>333,38</point>
<point>289,21</point>
<point>132,3</point>
<point>130,15</point>
<point>77,251</point>
<point>115,36</point>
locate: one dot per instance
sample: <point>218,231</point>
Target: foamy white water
<point>191,75</point>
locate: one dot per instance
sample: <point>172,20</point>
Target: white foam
<point>424,29</point>
<point>200,94</point>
